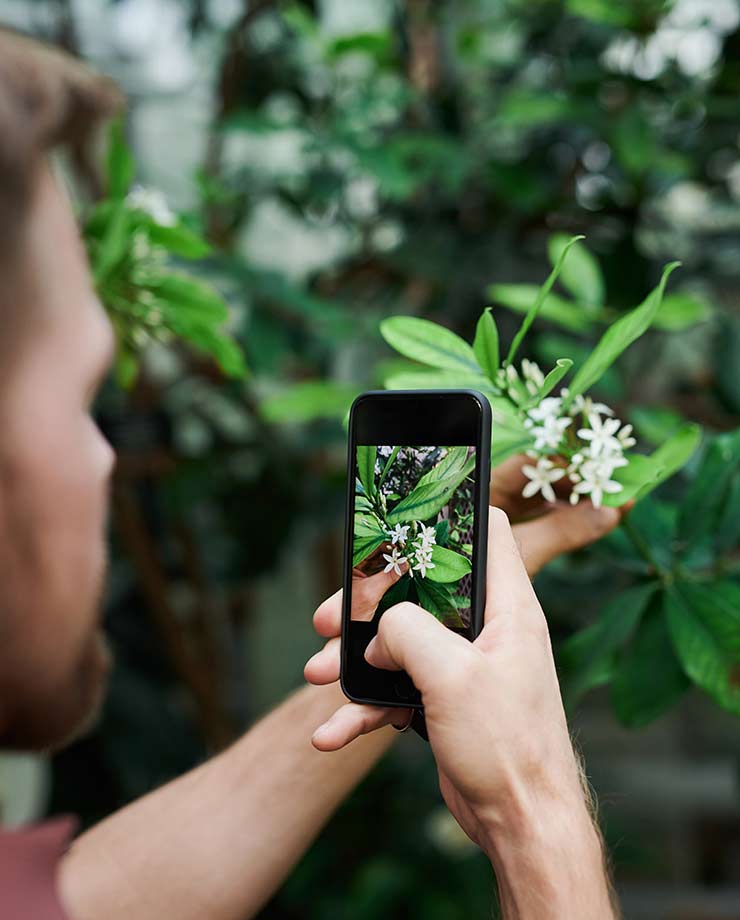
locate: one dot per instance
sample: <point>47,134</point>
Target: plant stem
<point>642,547</point>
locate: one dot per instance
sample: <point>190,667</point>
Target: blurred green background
<point>349,160</point>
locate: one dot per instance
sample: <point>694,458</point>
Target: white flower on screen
<point>399,534</point>
<point>394,561</point>
<point>152,202</point>
<point>541,478</point>
<point>601,435</point>
<point>427,535</point>
<point>595,479</point>
<point>422,564</point>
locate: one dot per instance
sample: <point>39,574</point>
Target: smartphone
<point>416,523</point>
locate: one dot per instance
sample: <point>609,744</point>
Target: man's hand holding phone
<point>496,724</point>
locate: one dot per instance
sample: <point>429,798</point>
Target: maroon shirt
<point>29,858</point>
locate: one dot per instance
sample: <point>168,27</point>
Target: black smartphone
<point>416,524</point>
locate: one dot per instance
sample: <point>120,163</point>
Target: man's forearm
<point>549,864</point>
<point>218,841</point>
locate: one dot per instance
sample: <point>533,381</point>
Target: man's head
<point>55,347</point>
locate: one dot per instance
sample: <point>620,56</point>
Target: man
<point>217,842</point>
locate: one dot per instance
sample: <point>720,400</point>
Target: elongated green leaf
<point>705,498</point>
<point>539,300</point>
<point>555,309</point>
<point>438,600</point>
<point>648,677</point>
<point>120,163</point>
<point>436,380</point>
<point>366,455</point>
<point>309,400</point>
<point>586,659</point>
<point>424,501</point>
<point>454,463</point>
<point>727,531</point>
<point>363,547</point>
<point>429,343</point>
<point>641,473</point>
<point>619,336</point>
<point>449,566</point>
<point>366,525</point>
<point>190,298</point>
<point>113,245</point>
<point>672,455</point>
<point>388,465</point>
<point>704,623</point>
<point>179,240</point>
<point>562,366</point>
<point>581,274</point>
<point>485,344</point>
<point>681,311</point>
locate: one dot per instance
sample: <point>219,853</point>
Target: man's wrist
<point>548,857</point>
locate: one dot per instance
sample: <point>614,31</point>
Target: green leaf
<point>113,245</point>
<point>485,344</point>
<point>365,546</point>
<point>455,463</point>
<point>655,424</point>
<point>439,601</point>
<point>442,532</point>
<point>436,380</point>
<point>562,366</point>
<point>424,501</point>
<point>638,476</point>
<point>449,566</point>
<point>191,299</point>
<point>539,300</point>
<point>586,659</point>
<point>648,678</point>
<point>619,336</point>
<point>366,455</point>
<point>429,343</point>
<point>179,240</point>
<point>555,309</point>
<point>120,163</point>
<point>388,465</point>
<point>581,274</point>
<point>309,400</point>
<point>681,311</point>
<point>705,498</point>
<point>727,531</point>
<point>704,623</point>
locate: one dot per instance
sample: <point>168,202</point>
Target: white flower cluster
<point>418,551</point>
<point>522,387</point>
<point>585,434</point>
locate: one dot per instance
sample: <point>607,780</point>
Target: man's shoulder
<point>29,857</point>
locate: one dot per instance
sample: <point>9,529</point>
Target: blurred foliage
<point>428,165</point>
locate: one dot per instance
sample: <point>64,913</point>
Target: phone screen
<point>414,510</point>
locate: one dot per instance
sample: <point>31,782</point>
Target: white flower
<point>596,481</point>
<point>427,535</point>
<point>394,561</point>
<point>601,435</point>
<point>549,407</point>
<point>588,407</point>
<point>625,437</point>
<point>153,203</point>
<point>541,478</point>
<point>422,564</point>
<point>531,371</point>
<point>399,534</point>
<point>549,434</point>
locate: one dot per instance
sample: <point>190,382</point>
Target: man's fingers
<point>563,529</point>
<point>412,640</point>
<point>323,667</point>
<point>508,588</point>
<point>352,720</point>
<point>327,620</point>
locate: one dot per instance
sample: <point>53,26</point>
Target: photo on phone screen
<point>413,526</point>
